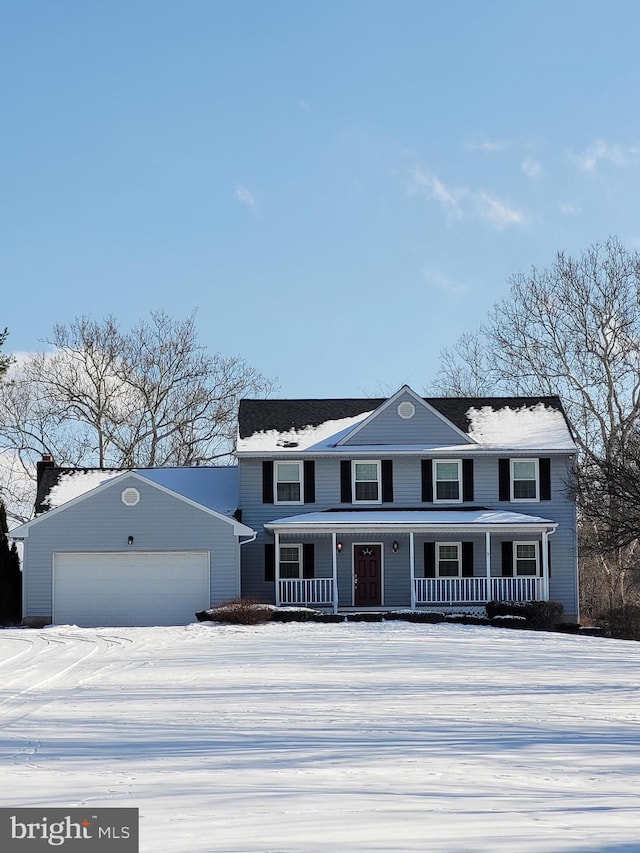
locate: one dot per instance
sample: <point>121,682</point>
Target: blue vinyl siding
<point>407,494</point>
<point>102,523</point>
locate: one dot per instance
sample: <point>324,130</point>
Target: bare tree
<point>573,330</point>
<point>105,398</point>
<point>5,360</point>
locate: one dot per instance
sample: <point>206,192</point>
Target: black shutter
<point>427,481</point>
<point>309,481</point>
<point>507,559</point>
<point>269,561</point>
<point>467,480</point>
<point>429,559</point>
<point>504,480</point>
<point>467,559</point>
<point>544,466</point>
<point>345,481</point>
<point>387,481</point>
<point>308,560</point>
<point>267,482</point>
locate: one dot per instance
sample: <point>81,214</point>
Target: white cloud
<point>497,212</point>
<point>601,151</point>
<point>304,106</point>
<point>244,196</point>
<point>531,167</point>
<point>438,191</point>
<point>443,283</point>
<point>466,203</point>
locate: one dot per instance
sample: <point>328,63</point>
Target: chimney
<point>42,465</point>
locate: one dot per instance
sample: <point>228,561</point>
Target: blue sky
<point>340,189</point>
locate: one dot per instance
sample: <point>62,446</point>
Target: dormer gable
<point>405,419</point>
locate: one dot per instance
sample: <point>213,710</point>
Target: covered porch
<point>410,558</point>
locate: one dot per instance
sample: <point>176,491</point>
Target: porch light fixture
<point>395,547</point>
<point>339,547</point>
<point>130,540</point>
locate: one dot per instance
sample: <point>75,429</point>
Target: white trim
<point>458,546</point>
<point>434,466</point>
<point>130,496</point>
<point>297,462</point>
<point>298,547</point>
<point>355,545</point>
<point>512,480</point>
<point>354,464</point>
<point>536,545</point>
<point>475,450</point>
<point>57,554</point>
<point>22,532</point>
<point>394,399</point>
<point>412,568</point>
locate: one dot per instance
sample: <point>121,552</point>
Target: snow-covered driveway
<point>350,737</point>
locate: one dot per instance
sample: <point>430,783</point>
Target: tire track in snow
<point>63,658</point>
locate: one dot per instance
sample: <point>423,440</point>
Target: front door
<point>367,575</point>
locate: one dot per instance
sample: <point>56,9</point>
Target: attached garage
<point>129,588</point>
<point>132,549</point>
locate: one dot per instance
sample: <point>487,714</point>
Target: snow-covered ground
<point>388,737</point>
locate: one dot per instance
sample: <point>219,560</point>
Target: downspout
<point>243,542</point>
<point>545,559</point>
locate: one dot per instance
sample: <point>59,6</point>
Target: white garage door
<point>131,588</point>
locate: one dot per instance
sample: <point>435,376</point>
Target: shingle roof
<point>284,415</point>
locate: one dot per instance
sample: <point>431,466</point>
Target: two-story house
<point>339,504</point>
<point>407,502</point>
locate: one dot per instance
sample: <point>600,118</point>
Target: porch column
<point>487,557</point>
<point>334,570</point>
<point>412,569</point>
<point>545,565</point>
<point>277,567</point>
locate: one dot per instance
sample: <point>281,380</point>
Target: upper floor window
<point>446,480</point>
<point>525,480</point>
<point>288,482</point>
<point>366,480</point>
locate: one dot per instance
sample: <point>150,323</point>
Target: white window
<point>525,559</point>
<point>525,480</point>
<point>290,561</point>
<point>366,481</point>
<point>288,483</point>
<point>448,559</point>
<point>446,481</point>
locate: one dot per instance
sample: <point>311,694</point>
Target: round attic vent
<point>130,497</point>
<point>406,410</point>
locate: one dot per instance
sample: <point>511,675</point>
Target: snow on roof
<point>72,484</point>
<point>410,518</point>
<point>527,427</point>
<point>319,437</point>
<point>213,488</point>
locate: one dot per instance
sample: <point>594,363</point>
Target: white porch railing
<point>316,591</point>
<point>478,590</point>
<point>319,592</point>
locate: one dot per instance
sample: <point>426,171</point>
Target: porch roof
<point>476,520</point>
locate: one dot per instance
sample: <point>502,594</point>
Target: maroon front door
<point>367,575</point>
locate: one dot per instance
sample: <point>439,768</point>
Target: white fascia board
<point>477,529</point>
<point>23,531</point>
<point>475,450</point>
<point>393,399</point>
